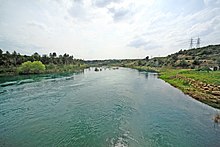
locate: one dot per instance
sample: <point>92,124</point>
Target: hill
<point>197,58</point>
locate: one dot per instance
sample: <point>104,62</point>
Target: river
<point>109,108</point>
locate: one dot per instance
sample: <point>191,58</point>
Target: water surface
<point>109,108</point>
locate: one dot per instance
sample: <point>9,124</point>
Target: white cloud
<point>99,29</point>
<point>38,25</point>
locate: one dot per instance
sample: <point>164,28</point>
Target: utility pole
<point>191,43</point>
<point>198,43</point>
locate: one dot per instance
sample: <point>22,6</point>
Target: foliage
<point>8,59</point>
<point>183,64</point>
<point>208,56</point>
<point>31,67</point>
<point>13,63</point>
<point>204,68</point>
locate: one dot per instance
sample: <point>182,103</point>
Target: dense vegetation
<point>31,67</point>
<point>10,63</point>
<point>200,58</point>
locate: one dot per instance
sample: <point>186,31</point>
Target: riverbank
<point>201,85</point>
<point>50,68</point>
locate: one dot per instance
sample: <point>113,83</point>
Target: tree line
<point>15,59</point>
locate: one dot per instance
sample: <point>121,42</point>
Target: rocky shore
<point>207,93</point>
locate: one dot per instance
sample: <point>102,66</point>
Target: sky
<point>107,29</point>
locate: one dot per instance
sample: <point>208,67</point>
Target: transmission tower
<point>198,43</point>
<point>191,43</point>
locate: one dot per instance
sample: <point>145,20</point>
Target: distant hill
<point>203,57</point>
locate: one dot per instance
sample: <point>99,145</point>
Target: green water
<point>111,108</point>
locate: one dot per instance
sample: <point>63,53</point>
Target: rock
<point>214,101</point>
<point>207,91</point>
<point>216,93</point>
<point>211,88</point>
<point>217,118</point>
<point>206,88</point>
<point>96,69</point>
<point>200,83</point>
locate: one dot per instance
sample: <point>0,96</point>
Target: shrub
<point>31,67</point>
<point>204,68</point>
<point>183,64</point>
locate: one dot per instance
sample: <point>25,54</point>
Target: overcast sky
<point>107,29</point>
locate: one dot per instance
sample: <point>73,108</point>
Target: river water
<point>110,108</point>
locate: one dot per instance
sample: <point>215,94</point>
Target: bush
<point>183,64</point>
<point>31,67</point>
<point>204,68</point>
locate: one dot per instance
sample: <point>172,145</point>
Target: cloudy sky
<point>107,29</point>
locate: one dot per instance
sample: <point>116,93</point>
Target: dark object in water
<point>96,69</point>
<point>114,68</point>
<point>217,118</point>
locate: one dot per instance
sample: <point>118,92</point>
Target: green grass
<point>143,68</point>
<point>168,75</point>
<point>211,77</point>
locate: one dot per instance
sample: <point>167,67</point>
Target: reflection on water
<point>20,79</point>
<point>118,108</point>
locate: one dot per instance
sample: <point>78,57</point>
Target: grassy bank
<point>144,68</point>
<point>50,68</point>
<point>201,85</point>
<point>64,68</point>
<point>211,77</point>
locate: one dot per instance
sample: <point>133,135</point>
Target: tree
<point>1,52</point>
<point>53,58</point>
<point>45,59</point>
<point>196,62</point>
<point>36,57</point>
<point>147,58</point>
<point>65,58</point>
<point>183,63</point>
<point>218,62</point>
<point>37,67</point>
<point>1,60</point>
<point>54,55</point>
<point>7,53</point>
<point>14,58</point>
<point>25,67</point>
<point>31,67</point>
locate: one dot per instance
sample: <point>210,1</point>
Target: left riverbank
<point>50,68</point>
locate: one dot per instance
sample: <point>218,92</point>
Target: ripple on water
<point>114,108</point>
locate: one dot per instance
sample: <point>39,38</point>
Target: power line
<point>198,43</point>
<point>193,41</point>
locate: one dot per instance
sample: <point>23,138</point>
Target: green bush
<point>204,68</point>
<point>31,67</point>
